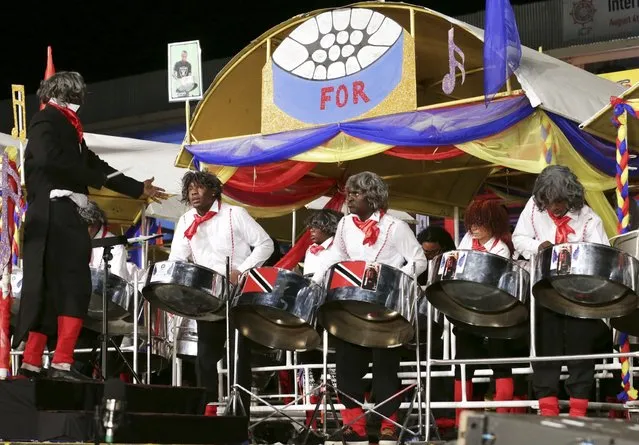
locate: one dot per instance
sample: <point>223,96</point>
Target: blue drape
<point>599,153</point>
<point>442,126</point>
<point>502,47</point>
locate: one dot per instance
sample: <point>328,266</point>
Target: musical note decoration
<point>450,79</point>
<point>10,194</point>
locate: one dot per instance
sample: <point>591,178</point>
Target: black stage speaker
<point>510,429</point>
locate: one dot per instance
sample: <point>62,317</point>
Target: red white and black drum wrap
<point>347,274</point>
<point>260,279</point>
<point>277,309</point>
<point>369,304</point>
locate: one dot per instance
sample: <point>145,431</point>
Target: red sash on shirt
<point>192,229</point>
<point>480,247</point>
<point>563,229</point>
<point>315,249</point>
<point>369,227</point>
<point>71,117</point>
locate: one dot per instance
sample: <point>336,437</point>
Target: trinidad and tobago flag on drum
<point>260,280</point>
<point>347,274</point>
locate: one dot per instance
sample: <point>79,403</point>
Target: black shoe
<point>28,374</point>
<point>71,375</point>
<point>388,436</point>
<point>350,438</point>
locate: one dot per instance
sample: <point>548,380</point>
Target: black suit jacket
<point>54,159</point>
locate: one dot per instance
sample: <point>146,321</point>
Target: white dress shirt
<point>396,246</point>
<point>231,233</point>
<point>534,227</point>
<point>313,261</point>
<point>494,246</point>
<point>118,263</point>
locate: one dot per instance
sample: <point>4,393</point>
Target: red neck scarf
<point>190,232</point>
<point>480,247</point>
<point>315,249</point>
<point>72,117</point>
<point>369,227</point>
<point>563,229</point>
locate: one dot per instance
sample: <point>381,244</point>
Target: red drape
<point>425,153</point>
<point>297,252</point>
<point>304,189</point>
<point>269,177</point>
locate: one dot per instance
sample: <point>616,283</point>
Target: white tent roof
<point>554,85</point>
<point>141,160</point>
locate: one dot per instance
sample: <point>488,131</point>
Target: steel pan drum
<point>437,323</point>
<point>371,305</point>
<point>277,308</point>
<point>586,280</point>
<point>119,297</point>
<point>186,339</point>
<point>479,289</point>
<point>161,347</point>
<point>187,290</point>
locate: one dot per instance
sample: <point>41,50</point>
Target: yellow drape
<point>518,148</point>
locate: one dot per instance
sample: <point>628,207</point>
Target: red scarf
<point>480,247</point>
<point>369,227</point>
<point>72,117</point>
<point>315,249</point>
<point>190,232</point>
<point>563,229</point>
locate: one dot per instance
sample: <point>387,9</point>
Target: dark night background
<point>106,40</point>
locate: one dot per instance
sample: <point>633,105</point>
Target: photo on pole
<point>184,71</point>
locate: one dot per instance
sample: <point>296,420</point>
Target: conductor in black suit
<point>59,168</point>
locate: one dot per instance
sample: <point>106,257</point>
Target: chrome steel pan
<point>370,305</point>
<point>119,297</point>
<point>628,242</point>
<point>586,280</point>
<point>277,308</point>
<point>160,344</point>
<point>187,290</point>
<point>479,289</point>
<point>437,324</point>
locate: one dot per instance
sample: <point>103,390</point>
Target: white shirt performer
<point>206,235</point>
<point>97,223</point>
<point>557,214</point>
<point>370,234</point>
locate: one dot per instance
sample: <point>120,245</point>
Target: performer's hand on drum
<point>543,245</point>
<point>152,192</point>
<point>235,276</point>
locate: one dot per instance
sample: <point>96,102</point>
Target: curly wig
<point>492,216</point>
<point>206,179</point>
<point>557,183</point>
<point>372,186</point>
<point>325,220</point>
<point>92,214</point>
<point>65,86</point>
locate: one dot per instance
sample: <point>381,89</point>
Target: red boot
<point>32,357</point>
<point>210,410</point>
<point>578,407</point>
<point>356,429</point>
<point>520,409</point>
<point>504,389</point>
<point>388,431</point>
<point>61,366</point>
<point>458,397</point>
<point>549,406</point>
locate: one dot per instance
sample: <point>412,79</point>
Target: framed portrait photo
<point>185,71</point>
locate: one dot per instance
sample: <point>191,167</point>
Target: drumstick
<point>119,172</point>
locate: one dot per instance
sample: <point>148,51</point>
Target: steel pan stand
<point>105,339</point>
